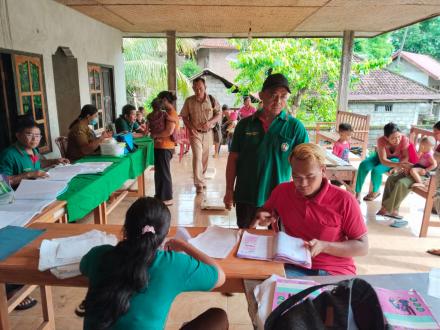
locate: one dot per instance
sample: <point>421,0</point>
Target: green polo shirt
<point>14,160</point>
<point>122,125</point>
<point>263,160</point>
<point>169,274</point>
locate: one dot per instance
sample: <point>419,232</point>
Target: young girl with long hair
<point>133,284</point>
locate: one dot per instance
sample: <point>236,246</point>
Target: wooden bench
<point>359,123</point>
<point>428,191</point>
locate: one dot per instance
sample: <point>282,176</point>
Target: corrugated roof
<point>383,84</point>
<point>424,62</point>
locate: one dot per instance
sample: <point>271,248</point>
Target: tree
<point>190,68</point>
<point>311,65</point>
<point>379,47</point>
<point>145,63</point>
<point>422,38</point>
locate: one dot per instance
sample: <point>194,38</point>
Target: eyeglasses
<point>30,136</point>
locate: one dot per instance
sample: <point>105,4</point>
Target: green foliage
<point>422,38</point>
<point>311,65</point>
<point>145,62</point>
<point>190,68</point>
<point>376,48</point>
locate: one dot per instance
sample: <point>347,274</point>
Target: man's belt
<point>200,131</point>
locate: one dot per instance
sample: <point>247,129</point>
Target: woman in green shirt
<point>132,285</point>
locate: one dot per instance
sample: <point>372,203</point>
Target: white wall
<point>410,71</point>
<point>404,114</point>
<point>41,26</point>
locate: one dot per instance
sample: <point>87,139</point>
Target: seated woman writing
<point>82,141</point>
<point>392,151</point>
<point>22,160</point>
<point>133,284</point>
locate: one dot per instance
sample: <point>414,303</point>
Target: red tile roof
<point>215,43</point>
<point>424,62</point>
<point>382,84</point>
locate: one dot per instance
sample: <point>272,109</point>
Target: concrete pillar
<point>171,61</point>
<point>344,79</point>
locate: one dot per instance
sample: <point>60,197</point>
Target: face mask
<point>93,122</point>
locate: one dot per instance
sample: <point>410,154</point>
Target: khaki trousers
<point>200,144</point>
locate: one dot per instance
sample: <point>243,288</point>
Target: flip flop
<point>371,196</point>
<point>394,216</point>
<point>435,252</point>
<point>399,223</point>
<point>26,303</point>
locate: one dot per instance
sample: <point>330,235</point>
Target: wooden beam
<point>344,79</point>
<point>171,61</point>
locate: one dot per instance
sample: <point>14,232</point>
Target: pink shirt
<point>332,215</point>
<point>393,151</point>
<point>233,115</point>
<point>342,150</point>
<point>247,111</point>
<point>425,159</point>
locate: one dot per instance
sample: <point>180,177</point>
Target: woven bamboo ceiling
<point>265,18</point>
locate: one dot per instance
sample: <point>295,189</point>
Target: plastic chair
<point>183,141</point>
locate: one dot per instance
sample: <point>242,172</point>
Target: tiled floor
<point>391,250</point>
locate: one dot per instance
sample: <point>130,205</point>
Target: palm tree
<point>146,66</point>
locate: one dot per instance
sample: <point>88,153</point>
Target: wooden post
<point>171,61</point>
<point>344,79</point>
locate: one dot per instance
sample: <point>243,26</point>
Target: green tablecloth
<point>87,191</point>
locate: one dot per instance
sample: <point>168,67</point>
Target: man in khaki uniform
<point>200,117</point>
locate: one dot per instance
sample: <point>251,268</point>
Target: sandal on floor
<point>394,216</point>
<point>435,252</point>
<point>80,310</point>
<point>399,223</point>
<point>26,303</point>
<point>371,196</point>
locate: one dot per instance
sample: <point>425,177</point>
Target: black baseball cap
<point>276,80</point>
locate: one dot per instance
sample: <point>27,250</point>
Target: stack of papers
<point>216,242</point>
<point>40,189</point>
<point>67,172</point>
<point>62,255</point>
<point>20,212</point>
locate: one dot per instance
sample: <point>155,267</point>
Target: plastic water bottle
<point>6,192</point>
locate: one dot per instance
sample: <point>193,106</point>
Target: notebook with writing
<point>279,247</point>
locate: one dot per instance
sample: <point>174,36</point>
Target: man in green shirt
<point>126,123</point>
<point>22,160</point>
<point>261,145</point>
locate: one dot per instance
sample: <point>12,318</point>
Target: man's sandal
<point>26,303</point>
<point>371,196</point>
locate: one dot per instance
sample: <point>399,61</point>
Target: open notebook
<point>280,247</point>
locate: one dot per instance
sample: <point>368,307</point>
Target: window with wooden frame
<point>31,97</point>
<point>97,94</point>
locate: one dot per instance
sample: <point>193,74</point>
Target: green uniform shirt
<point>263,160</point>
<point>122,125</point>
<point>169,274</point>
<point>14,160</point>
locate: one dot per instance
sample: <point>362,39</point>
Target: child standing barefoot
<point>426,161</point>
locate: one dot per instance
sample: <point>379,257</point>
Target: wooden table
<point>54,212</point>
<point>417,281</point>
<point>344,174</point>
<point>22,267</point>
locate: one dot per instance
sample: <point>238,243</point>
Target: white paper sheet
<point>64,172</point>
<point>40,189</point>
<point>216,242</point>
<point>19,219</point>
<point>69,250</point>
